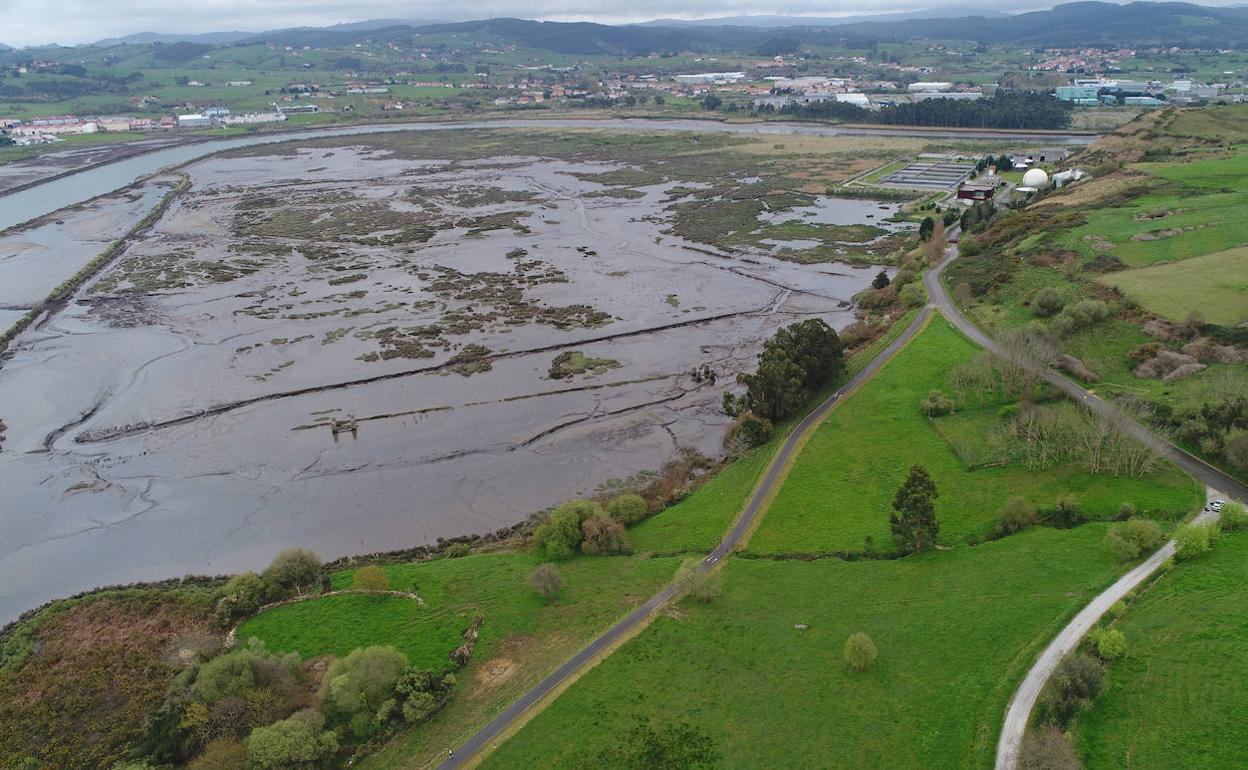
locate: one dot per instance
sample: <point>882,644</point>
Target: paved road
<point>638,616</point>
<point>1013,730</point>
<point>1018,713</point>
<point>1200,470</point>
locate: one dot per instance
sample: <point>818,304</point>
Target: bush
<point>1233,517</point>
<point>293,572</point>
<point>880,281</point>
<point>936,404</point>
<point>968,246</point>
<point>751,429</point>
<point>1129,540</point>
<point>559,538</point>
<point>912,295</point>
<point>417,695</point>
<point>1064,515</point>
<point>1080,316</point>
<point>1110,643</point>
<point>370,578</point>
<point>1193,539</point>
<point>628,509</point>
<point>221,754</point>
<point>602,535</point>
<point>354,687</point>
<point>1017,515</point>
<point>706,586</point>
<point>1118,609</point>
<point>859,652</point>
<point>456,550</point>
<point>1048,748</point>
<point>297,742</point>
<point>241,596</point>
<point>1077,680</point>
<point>1047,302</point>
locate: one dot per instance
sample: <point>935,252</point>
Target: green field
<point>955,632</point>
<point>336,625</point>
<point>841,487</point>
<point>1179,697</point>
<point>521,638</point>
<point>1215,284</point>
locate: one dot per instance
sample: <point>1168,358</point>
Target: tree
<point>669,747</point>
<point>291,744</point>
<point>547,581</point>
<point>1194,538</point>
<point>711,102</point>
<point>912,295</point>
<point>295,571</point>
<point>926,227</point>
<point>628,509</point>
<point>859,652</point>
<point>1048,748</point>
<point>370,578</point>
<point>1111,644</point>
<point>354,687</point>
<point>1131,539</point>
<point>936,404</point>
<point>1077,680</point>
<point>1233,516</point>
<point>603,535</point>
<point>797,361</point>
<point>968,246</point>
<point>880,281</point>
<point>751,429</point>
<point>914,524</point>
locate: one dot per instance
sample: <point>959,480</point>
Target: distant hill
<point>149,38</point>
<point>768,22</point>
<point>4,47</point>
<point>1084,23</point>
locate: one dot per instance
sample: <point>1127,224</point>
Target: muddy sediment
<point>177,416</point>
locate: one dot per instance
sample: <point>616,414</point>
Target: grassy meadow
<point>1179,696</point>
<point>840,490</point>
<point>955,632</point>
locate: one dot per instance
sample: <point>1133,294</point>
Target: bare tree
<point>547,581</point>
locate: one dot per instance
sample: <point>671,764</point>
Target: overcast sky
<point>33,22</point>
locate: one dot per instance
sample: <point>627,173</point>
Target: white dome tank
<point>1036,178</point>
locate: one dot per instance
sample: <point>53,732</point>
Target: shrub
<point>1047,302</point>
<point>1017,515</point>
<point>547,581</point>
<point>880,281</point>
<point>859,652</point>
<point>354,687</point>
<point>1236,451</point>
<point>1233,517</point>
<point>1064,515</point>
<point>226,676</point>
<point>752,429</point>
<point>559,538</point>
<point>936,404</point>
<point>912,295</point>
<point>457,550</point>
<point>1077,680</point>
<point>241,596</point>
<point>292,743</point>
<point>370,578</point>
<point>1126,511</point>
<point>293,572</point>
<point>602,535</point>
<point>968,246</point>
<point>1118,609</point>
<point>1111,644</point>
<point>1048,748</point>
<point>1193,539</point>
<point>1131,539</point>
<point>628,509</point>
<point>221,754</point>
<point>1080,316</point>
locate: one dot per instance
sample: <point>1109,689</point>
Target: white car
<point>1216,505</point>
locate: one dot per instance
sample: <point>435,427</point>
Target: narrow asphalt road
<point>637,617</point>
<point>1018,713</point>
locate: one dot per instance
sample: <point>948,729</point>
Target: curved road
<point>636,618</point>
<point>1024,699</point>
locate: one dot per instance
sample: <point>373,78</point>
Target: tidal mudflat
<point>363,344</point>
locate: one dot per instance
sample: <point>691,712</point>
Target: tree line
<point>1005,109</point>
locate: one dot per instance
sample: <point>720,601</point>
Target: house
<point>977,191</point>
